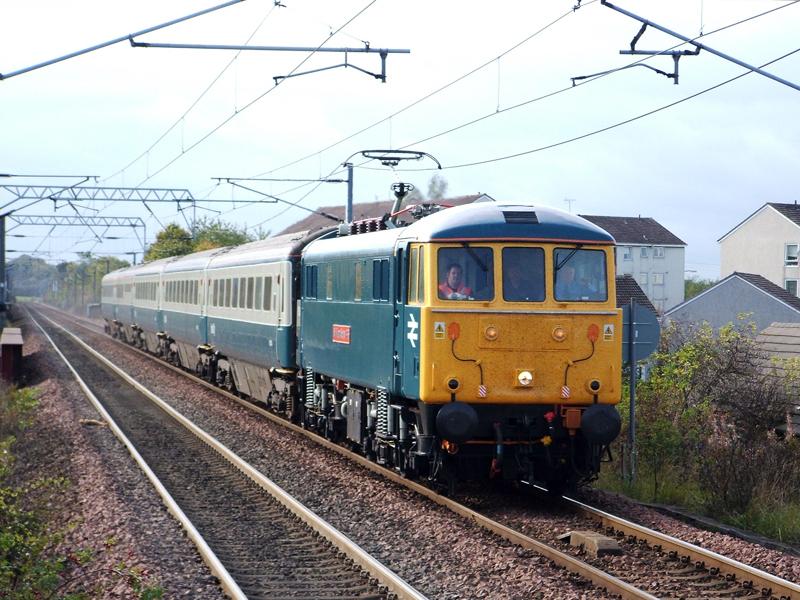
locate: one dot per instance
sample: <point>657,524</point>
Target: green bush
<point>705,431</point>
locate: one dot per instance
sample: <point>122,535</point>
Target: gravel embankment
<point>116,513</point>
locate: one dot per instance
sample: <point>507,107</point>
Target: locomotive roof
<point>502,221</point>
<point>376,243</point>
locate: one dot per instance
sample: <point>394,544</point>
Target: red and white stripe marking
<point>482,391</point>
<point>565,393</point>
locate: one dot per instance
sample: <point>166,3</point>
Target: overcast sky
<point>483,82</point>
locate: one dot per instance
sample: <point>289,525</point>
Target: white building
<point>652,254</point>
<point>766,243</point>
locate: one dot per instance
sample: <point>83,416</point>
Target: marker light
<point>490,333</point>
<point>559,334</point>
<point>525,377</point>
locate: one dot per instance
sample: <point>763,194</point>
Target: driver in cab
<point>453,288</point>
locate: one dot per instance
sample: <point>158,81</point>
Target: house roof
<point>366,210</point>
<point>636,230</point>
<point>790,211</point>
<point>757,281</point>
<point>628,289</point>
<point>770,288</point>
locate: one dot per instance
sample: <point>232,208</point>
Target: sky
<point>486,90</point>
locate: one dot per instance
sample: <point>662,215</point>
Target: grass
<point>779,521</point>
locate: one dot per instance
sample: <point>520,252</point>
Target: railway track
<point>674,568</point>
<point>702,569</point>
<point>257,540</point>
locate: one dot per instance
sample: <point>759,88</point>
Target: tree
<point>692,287</point>
<point>437,187</point>
<point>213,233</point>
<point>29,276</point>
<point>173,240</point>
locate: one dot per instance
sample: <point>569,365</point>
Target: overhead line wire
<point>607,128</point>
<point>429,95</point>
<point>252,102</point>
<point>568,88</point>
<point>196,101</point>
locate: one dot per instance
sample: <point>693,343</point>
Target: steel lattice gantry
<point>73,193</point>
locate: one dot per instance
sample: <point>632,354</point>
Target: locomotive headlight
<point>525,377</point>
<point>559,333</point>
<point>490,333</point>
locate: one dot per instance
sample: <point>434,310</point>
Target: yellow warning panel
<point>439,330</point>
<point>608,332</point>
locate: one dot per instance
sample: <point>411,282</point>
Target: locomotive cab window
<point>580,275</point>
<point>523,274</point>
<point>466,273</point>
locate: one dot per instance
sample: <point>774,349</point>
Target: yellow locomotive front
<point>519,350</point>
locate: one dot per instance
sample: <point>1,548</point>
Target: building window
<point>791,286</point>
<point>643,252</point>
<point>658,279</point>
<point>642,279</point>
<point>627,254</point>
<point>658,252</point>
<point>791,255</point>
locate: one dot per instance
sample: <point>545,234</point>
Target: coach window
<point>215,291</point>
<point>329,282</point>
<point>466,273</point>
<point>251,288</point>
<point>242,291</point>
<point>267,293</point>
<point>228,292</point>
<point>259,293</point>
<point>196,291</point>
<point>235,292</point>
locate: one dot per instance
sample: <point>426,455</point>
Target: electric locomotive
<point>479,342</point>
<point>482,341</point>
